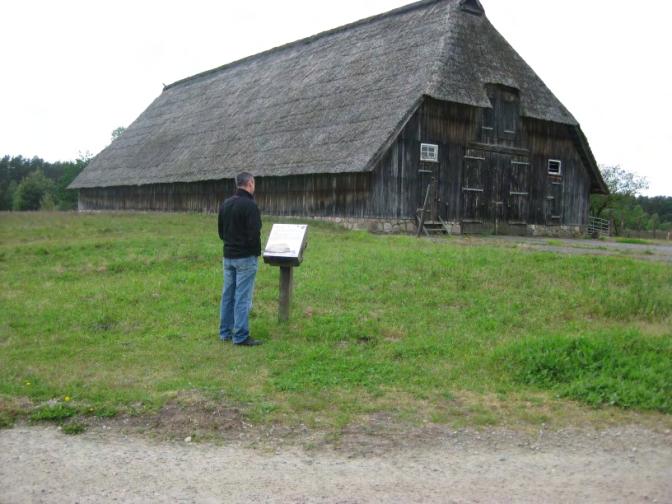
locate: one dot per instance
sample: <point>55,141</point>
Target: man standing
<point>239,225</point>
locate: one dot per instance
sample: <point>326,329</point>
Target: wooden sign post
<point>286,286</point>
<point>284,248</point>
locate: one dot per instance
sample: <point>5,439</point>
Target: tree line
<point>625,208</point>
<point>35,184</point>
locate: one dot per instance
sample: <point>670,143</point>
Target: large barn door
<point>516,194</point>
<point>476,193</point>
<point>495,193</point>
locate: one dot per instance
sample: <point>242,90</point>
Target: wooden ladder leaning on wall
<point>430,227</point>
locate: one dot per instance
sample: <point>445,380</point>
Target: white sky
<point>72,71</point>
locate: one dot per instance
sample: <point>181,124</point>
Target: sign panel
<point>286,241</point>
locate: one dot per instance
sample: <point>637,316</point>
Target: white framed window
<point>554,167</point>
<point>429,152</point>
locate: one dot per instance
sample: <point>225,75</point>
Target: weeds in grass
<point>73,428</point>
<point>53,413</point>
<point>259,413</point>
<point>620,369</point>
<point>638,295</point>
<point>6,420</point>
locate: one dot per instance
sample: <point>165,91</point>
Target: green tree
<point>14,170</point>
<point>661,205</point>
<point>31,191</point>
<point>634,216</point>
<point>620,205</point>
<point>7,195</point>
<point>117,132</point>
<point>47,202</point>
<point>66,199</point>
<point>623,182</point>
<point>654,224</point>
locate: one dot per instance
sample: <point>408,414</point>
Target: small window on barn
<point>429,152</point>
<point>509,116</point>
<point>554,167</point>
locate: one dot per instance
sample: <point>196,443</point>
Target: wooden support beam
<point>286,286</point>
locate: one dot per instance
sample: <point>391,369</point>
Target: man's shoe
<point>249,342</point>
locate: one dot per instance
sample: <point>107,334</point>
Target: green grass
<point>53,413</point>
<point>74,428</point>
<point>617,368</point>
<point>119,312</point>
<point>634,241</point>
<point>6,420</point>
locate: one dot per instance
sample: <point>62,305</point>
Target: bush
<point>31,191</point>
<point>626,369</point>
<point>47,203</point>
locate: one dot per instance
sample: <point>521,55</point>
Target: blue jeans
<point>239,276</point>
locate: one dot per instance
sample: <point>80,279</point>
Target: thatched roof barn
<point>332,126</point>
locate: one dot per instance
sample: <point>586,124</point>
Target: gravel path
<point>660,251</point>
<point>618,465</point>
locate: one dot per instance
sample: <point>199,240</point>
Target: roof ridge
<point>308,40</point>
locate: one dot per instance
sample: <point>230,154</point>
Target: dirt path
<point>618,465</point>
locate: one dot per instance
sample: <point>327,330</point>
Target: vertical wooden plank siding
<point>555,141</point>
<point>398,189</point>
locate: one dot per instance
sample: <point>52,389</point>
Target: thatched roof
<point>325,104</point>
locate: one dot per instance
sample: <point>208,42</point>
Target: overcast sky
<point>73,71</point>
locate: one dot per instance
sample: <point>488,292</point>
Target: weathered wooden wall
<point>326,195</point>
<point>318,195</point>
<point>492,171</point>
<point>400,179</point>
<point>191,197</point>
<point>555,141</point>
<point>479,151</point>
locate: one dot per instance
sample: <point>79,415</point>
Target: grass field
<point>117,314</point>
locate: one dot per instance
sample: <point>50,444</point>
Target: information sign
<point>284,248</point>
<point>286,241</point>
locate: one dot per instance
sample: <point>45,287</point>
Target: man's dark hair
<point>242,179</point>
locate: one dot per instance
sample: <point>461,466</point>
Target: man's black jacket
<point>239,226</point>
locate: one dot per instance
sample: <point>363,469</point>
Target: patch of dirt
<point>178,419</point>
